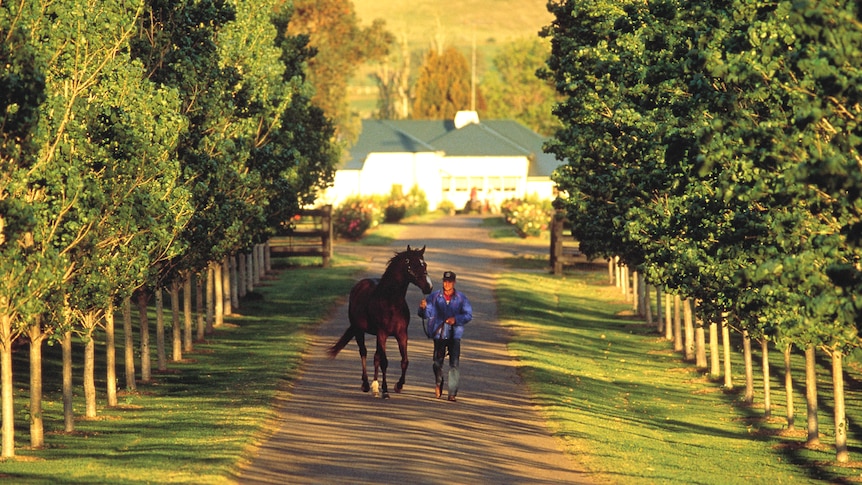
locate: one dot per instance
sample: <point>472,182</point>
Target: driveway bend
<point>329,432</point>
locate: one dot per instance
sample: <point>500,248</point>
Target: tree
<point>514,89</point>
<point>340,47</point>
<point>443,86</point>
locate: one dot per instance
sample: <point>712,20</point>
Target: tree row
<point>141,143</point>
<point>714,147</point>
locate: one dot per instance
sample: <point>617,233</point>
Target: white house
<point>447,160</point>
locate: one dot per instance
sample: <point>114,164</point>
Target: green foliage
<point>514,91</point>
<point>693,132</point>
<point>443,86</point>
<point>355,216</point>
<point>635,413</point>
<point>529,217</point>
<point>340,46</point>
<point>446,207</point>
<point>215,405</point>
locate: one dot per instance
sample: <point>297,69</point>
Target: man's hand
<point>423,303</point>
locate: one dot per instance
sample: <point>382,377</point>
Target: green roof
<point>491,138</point>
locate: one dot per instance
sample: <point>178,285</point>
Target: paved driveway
<point>329,432</point>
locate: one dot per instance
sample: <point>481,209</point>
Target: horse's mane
<point>390,265</point>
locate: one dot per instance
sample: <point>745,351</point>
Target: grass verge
<point>193,423</point>
<point>635,412</point>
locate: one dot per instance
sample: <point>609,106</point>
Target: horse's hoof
<point>385,395</point>
<point>398,388</point>
<point>365,387</point>
<point>375,388</point>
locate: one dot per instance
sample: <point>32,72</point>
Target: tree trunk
<point>188,345</point>
<point>258,264</point>
<point>626,282</point>
<point>749,368</point>
<point>659,299</point>
<point>700,342</point>
<point>37,425</point>
<point>209,299</point>
<point>688,333</point>
<point>89,322</point>
<point>218,280</point>
<point>767,385</point>
<point>7,387</point>
<point>267,260</point>
<point>636,293</point>
<point>611,271</point>
<point>161,356</point>
<point>668,316</point>
<point>129,349</point>
<point>677,324</point>
<point>841,453</point>
<point>788,387</point>
<point>811,396</point>
<point>68,412</point>
<point>725,343</point>
<point>714,349</point>
<point>242,275</point>
<point>234,283</point>
<point>199,304</point>
<point>176,326</point>
<point>146,369</point>
<point>647,304</point>
<point>225,282</point>
<point>250,271</point>
<point>110,357</point>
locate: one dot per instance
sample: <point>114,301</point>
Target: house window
<point>447,183</point>
<point>510,184</point>
<point>462,184</point>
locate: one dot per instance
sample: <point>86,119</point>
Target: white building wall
<point>441,178</point>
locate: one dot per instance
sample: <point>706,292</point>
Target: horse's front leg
<point>381,363</point>
<point>402,347</point>
<point>363,354</point>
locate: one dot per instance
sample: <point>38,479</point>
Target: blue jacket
<point>438,311</point>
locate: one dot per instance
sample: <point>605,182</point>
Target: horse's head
<point>417,270</point>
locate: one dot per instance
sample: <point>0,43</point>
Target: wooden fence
<point>308,234</point>
<point>561,254</point>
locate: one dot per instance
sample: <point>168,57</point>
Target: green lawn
<point>635,412</point>
<point>629,408</point>
<point>194,422</point>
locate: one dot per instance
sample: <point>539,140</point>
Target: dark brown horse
<point>378,306</point>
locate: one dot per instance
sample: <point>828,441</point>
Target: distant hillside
<point>488,22</point>
<point>493,21</point>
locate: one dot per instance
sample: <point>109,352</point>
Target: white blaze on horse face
<point>427,278</point>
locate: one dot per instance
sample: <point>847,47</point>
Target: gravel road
<point>329,432</point>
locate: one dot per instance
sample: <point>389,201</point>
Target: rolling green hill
<point>493,21</point>
<point>489,23</point>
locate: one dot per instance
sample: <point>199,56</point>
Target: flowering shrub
<point>446,207</point>
<point>354,216</point>
<point>399,206</point>
<point>529,217</point>
<point>417,204</point>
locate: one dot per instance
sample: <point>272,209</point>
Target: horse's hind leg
<point>402,347</point>
<point>363,354</point>
<point>381,363</point>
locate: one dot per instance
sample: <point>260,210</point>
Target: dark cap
<point>448,276</point>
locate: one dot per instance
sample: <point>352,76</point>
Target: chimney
<point>464,118</point>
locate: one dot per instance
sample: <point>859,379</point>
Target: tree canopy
<point>443,86</point>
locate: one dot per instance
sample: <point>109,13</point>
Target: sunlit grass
<point>194,423</point>
<point>634,411</point>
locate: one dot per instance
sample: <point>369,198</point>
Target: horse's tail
<point>342,342</point>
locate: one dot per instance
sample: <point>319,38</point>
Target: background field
<point>492,22</point>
